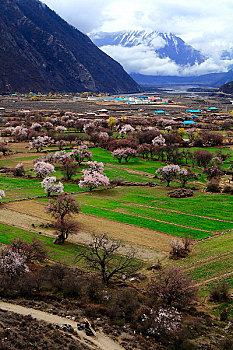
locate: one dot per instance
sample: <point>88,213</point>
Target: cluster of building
<point>138,99</point>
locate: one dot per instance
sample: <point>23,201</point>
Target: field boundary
<point>148,218</point>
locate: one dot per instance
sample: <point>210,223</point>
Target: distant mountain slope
<point>165,45</point>
<point>42,52</point>
<point>227,86</point>
<point>212,79</point>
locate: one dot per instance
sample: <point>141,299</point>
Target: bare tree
<point>101,255</point>
<point>62,208</point>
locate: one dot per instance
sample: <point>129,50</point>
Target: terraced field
<point>211,260</point>
<point>200,216</point>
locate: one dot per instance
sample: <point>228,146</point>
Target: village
<point>134,170</point>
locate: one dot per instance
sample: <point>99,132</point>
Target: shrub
<point>180,248</point>
<point>228,189</point>
<point>224,314</point>
<point>94,288</point>
<point>34,251</point>
<point>220,291</point>
<point>123,304</point>
<point>72,285</point>
<point>226,344</point>
<point>19,170</point>
<point>160,322</point>
<point>213,186</point>
<point>172,287</point>
<point>181,193</point>
<point>56,275</point>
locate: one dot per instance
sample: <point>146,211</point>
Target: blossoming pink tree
<point>61,143</point>
<point>168,173</point>
<point>80,153</point>
<point>94,176</point>
<point>20,132</point>
<point>61,157</point>
<point>48,125</point>
<point>186,175</point>
<point>12,263</point>
<point>124,153</point>
<point>36,126</point>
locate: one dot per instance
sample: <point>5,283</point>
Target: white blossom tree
<point>20,132</point>
<point>2,194</point>
<point>162,321</point>
<point>159,141</point>
<point>61,156</point>
<point>126,129</point>
<point>60,128</point>
<point>40,142</point>
<point>51,187</point>
<point>43,169</point>
<point>36,126</point>
<point>168,173</point>
<point>12,263</point>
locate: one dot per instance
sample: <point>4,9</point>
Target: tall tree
<point>101,255</point>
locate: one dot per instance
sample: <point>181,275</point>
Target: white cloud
<point>84,15</point>
<point>141,59</point>
<point>205,25</point>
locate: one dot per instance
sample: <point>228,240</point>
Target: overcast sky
<point>207,25</point>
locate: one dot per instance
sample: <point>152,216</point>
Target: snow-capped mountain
<point>165,46</point>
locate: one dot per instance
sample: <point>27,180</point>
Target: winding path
<point>100,342</point>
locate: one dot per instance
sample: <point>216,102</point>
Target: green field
<point>150,207</point>
<point>211,259</point>
<point>59,253</point>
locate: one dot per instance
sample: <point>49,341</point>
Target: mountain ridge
<point>165,45</point>
<point>42,52</point>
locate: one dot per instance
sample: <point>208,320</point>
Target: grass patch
<point>143,222</point>
<point>59,253</point>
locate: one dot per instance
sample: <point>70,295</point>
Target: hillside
<point>42,52</point>
<point>227,88</point>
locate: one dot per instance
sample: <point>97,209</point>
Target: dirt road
<point>100,342</point>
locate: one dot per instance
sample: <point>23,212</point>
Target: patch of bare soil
<point>148,244</point>
<point>26,162</point>
<point>18,146</point>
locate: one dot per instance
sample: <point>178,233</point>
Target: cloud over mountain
<point>205,27</point>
